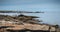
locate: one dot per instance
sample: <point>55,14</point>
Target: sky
<point>50,7</point>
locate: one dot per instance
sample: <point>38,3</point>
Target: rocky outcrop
<point>24,22</point>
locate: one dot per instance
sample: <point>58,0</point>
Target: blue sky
<point>50,7</point>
